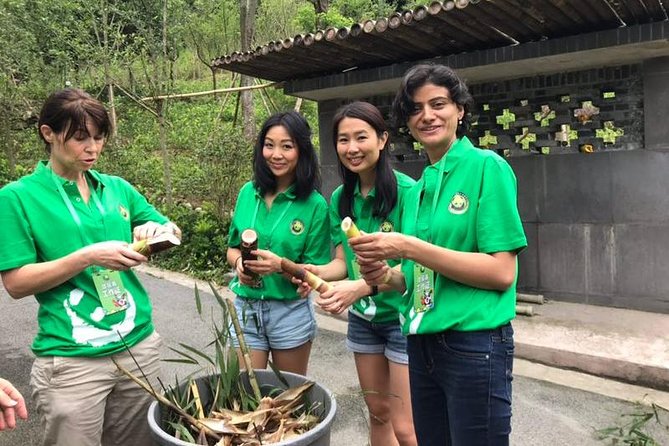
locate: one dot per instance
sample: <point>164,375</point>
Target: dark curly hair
<point>439,75</point>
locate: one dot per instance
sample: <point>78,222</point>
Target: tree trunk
<point>107,53</point>
<point>162,111</point>
<point>247,17</point>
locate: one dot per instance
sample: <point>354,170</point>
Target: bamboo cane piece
<point>295,270</point>
<point>164,401</point>
<point>351,230</point>
<point>244,348</point>
<point>249,243</point>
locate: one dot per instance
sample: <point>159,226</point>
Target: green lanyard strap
<point>435,199</point>
<point>276,222</point>
<point>72,210</point>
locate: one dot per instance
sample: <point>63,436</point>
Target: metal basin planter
<point>267,380</point>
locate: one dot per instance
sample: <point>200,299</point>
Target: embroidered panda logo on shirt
<point>459,204</point>
<point>297,227</point>
<point>124,213</point>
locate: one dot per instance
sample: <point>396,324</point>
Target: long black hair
<point>307,174</point>
<point>385,183</point>
<point>439,75</point>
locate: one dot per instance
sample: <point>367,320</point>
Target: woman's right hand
<point>12,405</point>
<point>244,278</point>
<point>114,255</point>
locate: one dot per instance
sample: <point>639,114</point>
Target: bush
<point>204,245</point>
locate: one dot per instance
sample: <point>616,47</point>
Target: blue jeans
<point>461,387</point>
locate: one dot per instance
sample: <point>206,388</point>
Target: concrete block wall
<point>563,93</point>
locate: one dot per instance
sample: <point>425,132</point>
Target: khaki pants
<point>89,402</point>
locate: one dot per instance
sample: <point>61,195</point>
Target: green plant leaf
<point>198,301</point>
<point>203,355</point>
<point>186,355</point>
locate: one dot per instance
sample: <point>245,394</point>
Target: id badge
<point>112,293</point>
<point>423,290</point>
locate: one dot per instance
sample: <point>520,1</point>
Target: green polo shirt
<point>38,227</point>
<point>476,211</point>
<point>384,307</point>
<point>291,228</point>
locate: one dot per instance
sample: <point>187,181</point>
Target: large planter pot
<point>318,436</point>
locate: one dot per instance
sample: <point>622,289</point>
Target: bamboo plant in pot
<point>234,407</point>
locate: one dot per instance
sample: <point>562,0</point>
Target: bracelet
<point>375,290</point>
<point>237,260</point>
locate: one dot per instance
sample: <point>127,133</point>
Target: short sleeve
<point>141,211</point>
<point>17,245</point>
<point>335,219</point>
<point>317,249</point>
<point>499,227</point>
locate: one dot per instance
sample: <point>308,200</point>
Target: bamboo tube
<point>525,310</point>
<point>349,228</point>
<point>531,298</point>
<point>249,243</point>
<point>295,270</point>
<point>243,348</point>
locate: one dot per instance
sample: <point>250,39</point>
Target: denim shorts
<point>376,338</point>
<point>272,324</point>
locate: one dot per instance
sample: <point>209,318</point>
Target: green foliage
<point>634,428</point>
<point>204,245</point>
<point>46,46</point>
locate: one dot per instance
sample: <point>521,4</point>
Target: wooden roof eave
<point>425,35</point>
<point>472,36</point>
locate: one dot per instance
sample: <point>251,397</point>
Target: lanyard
<point>70,206</point>
<point>276,222</point>
<point>435,198</point>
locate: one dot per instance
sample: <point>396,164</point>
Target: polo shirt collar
<point>456,152</point>
<point>289,193</point>
<point>43,174</point>
<point>370,194</point>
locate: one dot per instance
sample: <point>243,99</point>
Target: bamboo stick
<point>244,349</point>
<point>295,270</point>
<point>203,93</point>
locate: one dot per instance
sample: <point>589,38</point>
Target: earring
<point>460,122</point>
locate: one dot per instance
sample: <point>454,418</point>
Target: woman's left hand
<point>377,246</point>
<point>267,262</point>
<point>152,229</point>
<point>342,295</point>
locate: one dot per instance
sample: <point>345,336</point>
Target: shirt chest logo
<point>386,226</point>
<point>124,213</point>
<point>459,204</point>
<point>296,227</point>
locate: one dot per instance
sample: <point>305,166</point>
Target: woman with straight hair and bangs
<point>65,237</point>
<point>289,216</point>
<point>461,233</point>
<point>372,195</point>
